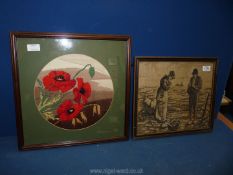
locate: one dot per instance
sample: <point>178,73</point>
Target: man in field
<point>194,86</point>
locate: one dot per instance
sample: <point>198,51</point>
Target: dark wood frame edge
<point>15,77</point>
<point>69,35</point>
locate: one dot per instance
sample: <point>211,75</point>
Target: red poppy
<point>82,92</point>
<point>58,80</point>
<point>67,110</point>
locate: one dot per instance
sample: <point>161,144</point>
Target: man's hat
<point>172,74</point>
<point>195,71</point>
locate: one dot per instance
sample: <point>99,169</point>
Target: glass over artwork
<point>73,91</point>
<point>174,96</point>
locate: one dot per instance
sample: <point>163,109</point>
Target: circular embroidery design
<point>73,91</point>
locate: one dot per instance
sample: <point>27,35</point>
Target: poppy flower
<point>68,110</point>
<point>58,80</point>
<point>82,92</point>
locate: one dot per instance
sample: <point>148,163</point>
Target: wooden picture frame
<point>70,88</point>
<point>173,95</point>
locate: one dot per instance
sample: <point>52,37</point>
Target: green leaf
<point>92,71</point>
<point>40,83</point>
<point>49,115</point>
<point>51,102</point>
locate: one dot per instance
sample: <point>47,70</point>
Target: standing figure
<point>162,97</point>
<point>194,86</point>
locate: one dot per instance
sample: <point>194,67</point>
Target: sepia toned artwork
<point>173,95</point>
<point>70,89</point>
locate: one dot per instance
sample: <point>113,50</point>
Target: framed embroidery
<point>173,95</point>
<point>70,89</point>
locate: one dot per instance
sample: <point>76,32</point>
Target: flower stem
<point>81,70</point>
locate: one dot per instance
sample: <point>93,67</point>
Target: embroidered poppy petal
<point>58,80</point>
<point>64,106</point>
<point>49,84</point>
<point>80,82</point>
<point>77,95</point>
<point>87,88</point>
<point>52,74</point>
<point>82,92</point>
<point>84,99</point>
<point>67,110</point>
<point>66,86</point>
